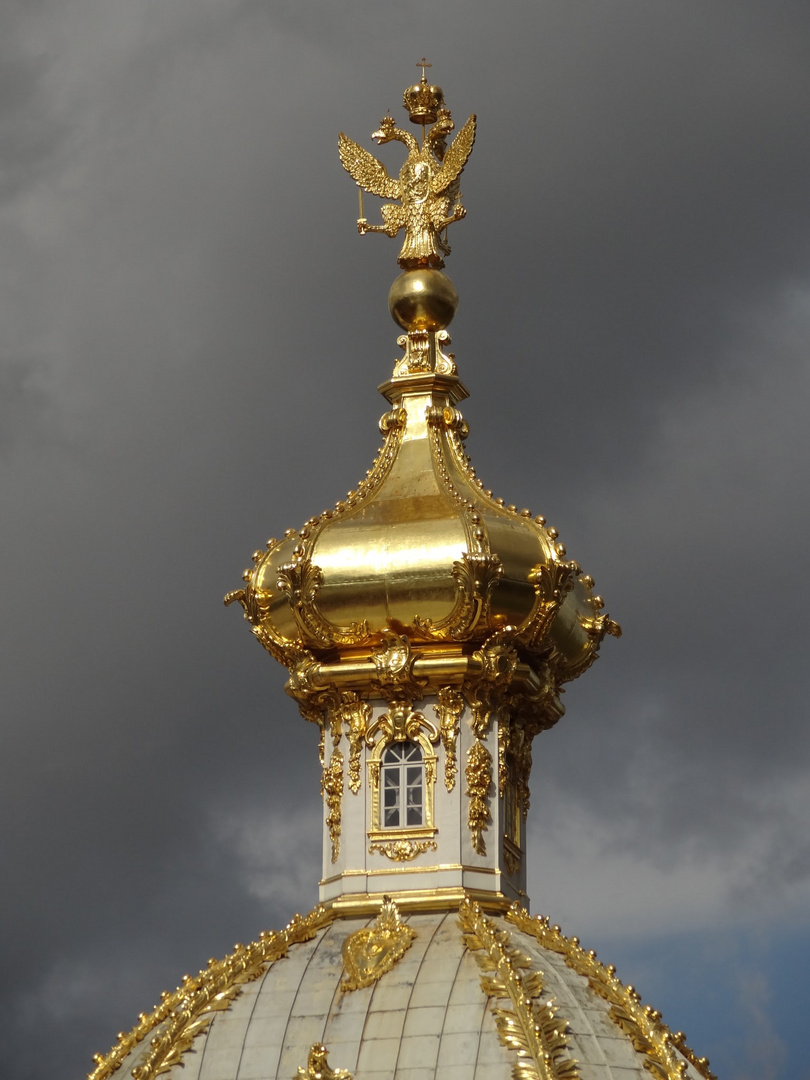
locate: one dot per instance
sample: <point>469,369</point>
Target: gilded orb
<point>423,300</point>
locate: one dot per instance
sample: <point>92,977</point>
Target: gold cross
<point>423,64</point>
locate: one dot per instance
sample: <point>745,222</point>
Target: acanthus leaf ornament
<point>534,1030</point>
<point>665,1053</point>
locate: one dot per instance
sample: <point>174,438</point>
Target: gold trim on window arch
<point>401,724</point>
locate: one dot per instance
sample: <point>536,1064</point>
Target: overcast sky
<point>191,336</point>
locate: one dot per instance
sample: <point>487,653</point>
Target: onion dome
<point>419,548</point>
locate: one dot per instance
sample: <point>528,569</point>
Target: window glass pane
<point>403,785</point>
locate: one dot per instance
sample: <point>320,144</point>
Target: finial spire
<point>423,64</point>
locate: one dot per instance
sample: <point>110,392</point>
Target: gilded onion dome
<point>420,549</point>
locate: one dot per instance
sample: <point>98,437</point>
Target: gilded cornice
<point>665,1053</point>
<point>182,1015</point>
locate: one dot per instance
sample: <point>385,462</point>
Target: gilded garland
<point>533,1030</point>
<point>186,1013</point>
<point>665,1053</point>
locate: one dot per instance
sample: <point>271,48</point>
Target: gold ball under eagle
<point>423,300</point>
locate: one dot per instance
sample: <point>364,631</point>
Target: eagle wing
<point>456,157</point>
<point>370,174</point>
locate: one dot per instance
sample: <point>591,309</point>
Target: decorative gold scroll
<point>534,1031</point>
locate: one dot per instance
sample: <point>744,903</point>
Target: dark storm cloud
<point>194,333</point>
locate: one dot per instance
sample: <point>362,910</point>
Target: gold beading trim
<point>189,1010</point>
<point>533,1030</point>
<point>649,1035</point>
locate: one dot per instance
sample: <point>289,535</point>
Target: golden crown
<point>422,100</point>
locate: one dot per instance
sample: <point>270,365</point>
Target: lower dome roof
<point>458,993</point>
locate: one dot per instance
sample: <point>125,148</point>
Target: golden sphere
<point>423,300</point>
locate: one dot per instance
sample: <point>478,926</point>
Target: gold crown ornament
<point>422,100</point>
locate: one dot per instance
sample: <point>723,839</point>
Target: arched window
<point>403,786</point>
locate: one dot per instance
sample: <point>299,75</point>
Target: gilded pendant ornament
<point>371,952</point>
<point>533,1030</point>
<point>187,1012</point>
<point>402,850</point>
<point>332,790</point>
<point>318,1067</point>
<point>665,1054</point>
<point>478,772</point>
<point>449,712</point>
<point>355,715</point>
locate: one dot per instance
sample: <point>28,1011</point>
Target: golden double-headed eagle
<point>427,186</point>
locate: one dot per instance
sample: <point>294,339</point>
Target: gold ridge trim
<point>534,1031</point>
<point>649,1035</point>
<point>189,1010</point>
